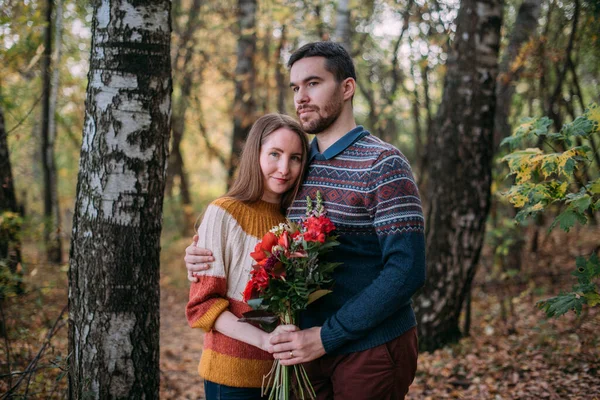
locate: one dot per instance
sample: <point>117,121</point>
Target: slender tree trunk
<point>182,65</point>
<point>525,27</point>
<point>244,105</point>
<point>115,247</point>
<point>416,113</point>
<point>554,103</point>
<point>282,87</point>
<point>265,100</point>
<point>461,173</point>
<point>57,249</point>
<point>51,209</point>
<point>10,245</point>
<point>343,27</point>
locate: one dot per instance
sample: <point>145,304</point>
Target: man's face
<point>318,97</point>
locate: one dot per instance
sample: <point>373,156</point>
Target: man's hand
<point>196,259</point>
<point>297,347</point>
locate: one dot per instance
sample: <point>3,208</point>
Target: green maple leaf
<point>562,304</point>
<point>566,220</point>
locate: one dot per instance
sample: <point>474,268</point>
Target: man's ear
<point>349,87</point>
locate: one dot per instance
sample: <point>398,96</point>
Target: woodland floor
<point>513,352</point>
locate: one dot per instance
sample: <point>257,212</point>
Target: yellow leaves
<point>537,207</point>
<point>593,114</point>
<point>516,198</point>
<point>593,299</point>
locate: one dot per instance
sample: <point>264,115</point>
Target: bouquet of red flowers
<point>286,278</point>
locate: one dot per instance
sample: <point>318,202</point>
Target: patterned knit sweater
<point>231,229</point>
<point>371,197</point>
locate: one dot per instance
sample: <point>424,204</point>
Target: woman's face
<point>280,163</point>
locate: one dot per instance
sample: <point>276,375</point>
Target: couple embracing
<point>360,341</point>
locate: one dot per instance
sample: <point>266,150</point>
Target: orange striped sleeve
<point>207,302</point>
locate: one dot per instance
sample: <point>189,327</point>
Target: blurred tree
<point>10,246</point>
<point>114,272</point>
<point>459,191</point>
<point>244,106</point>
<point>184,72</point>
<point>343,26</point>
<point>512,65</point>
<point>51,207</point>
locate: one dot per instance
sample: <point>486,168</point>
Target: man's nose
<point>301,96</point>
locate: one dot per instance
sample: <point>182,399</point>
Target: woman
<point>234,358</point>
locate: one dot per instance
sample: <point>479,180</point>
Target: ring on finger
<point>291,354</point>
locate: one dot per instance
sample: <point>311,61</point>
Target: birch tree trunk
<point>114,271</point>
<point>460,172</point>
<point>245,74</point>
<point>51,208</point>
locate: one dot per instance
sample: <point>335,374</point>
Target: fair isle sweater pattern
<point>231,229</point>
<point>371,196</point>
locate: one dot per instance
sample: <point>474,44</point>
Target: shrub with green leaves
<point>560,170</point>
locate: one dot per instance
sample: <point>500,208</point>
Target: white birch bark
<point>114,274</point>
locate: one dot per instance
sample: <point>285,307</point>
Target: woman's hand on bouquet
<point>266,343</point>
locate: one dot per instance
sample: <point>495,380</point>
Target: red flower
<point>251,291</point>
<point>317,228</point>
<point>284,240</point>
<point>260,278</point>
<point>263,248</point>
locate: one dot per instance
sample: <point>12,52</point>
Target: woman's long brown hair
<point>248,184</point>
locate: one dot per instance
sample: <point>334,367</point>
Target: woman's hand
<point>266,340</point>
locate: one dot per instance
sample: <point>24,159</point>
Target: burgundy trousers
<point>381,373</point>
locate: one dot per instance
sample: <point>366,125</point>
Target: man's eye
<point>295,89</point>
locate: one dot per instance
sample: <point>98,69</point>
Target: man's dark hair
<point>337,59</point>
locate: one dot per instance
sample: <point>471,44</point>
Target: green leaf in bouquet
<point>262,319</point>
<point>328,245</point>
<point>255,303</point>
<point>328,268</point>
<point>317,294</point>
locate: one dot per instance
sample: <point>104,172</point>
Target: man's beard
<point>332,111</point>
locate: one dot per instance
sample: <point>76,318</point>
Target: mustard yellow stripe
<point>232,371</point>
<point>207,321</point>
<point>254,218</point>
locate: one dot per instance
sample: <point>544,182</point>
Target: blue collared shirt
<point>339,146</point>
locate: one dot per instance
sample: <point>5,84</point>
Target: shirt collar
<point>342,144</point>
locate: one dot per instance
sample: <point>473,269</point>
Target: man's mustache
<point>306,108</point>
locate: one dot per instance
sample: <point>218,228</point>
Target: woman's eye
<point>274,154</point>
<point>297,158</point>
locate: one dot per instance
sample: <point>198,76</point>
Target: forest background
<point>484,336</point>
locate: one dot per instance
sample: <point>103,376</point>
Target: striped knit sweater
<point>231,229</point>
<point>371,197</point>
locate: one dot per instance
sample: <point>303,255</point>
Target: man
<point>358,342</point>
